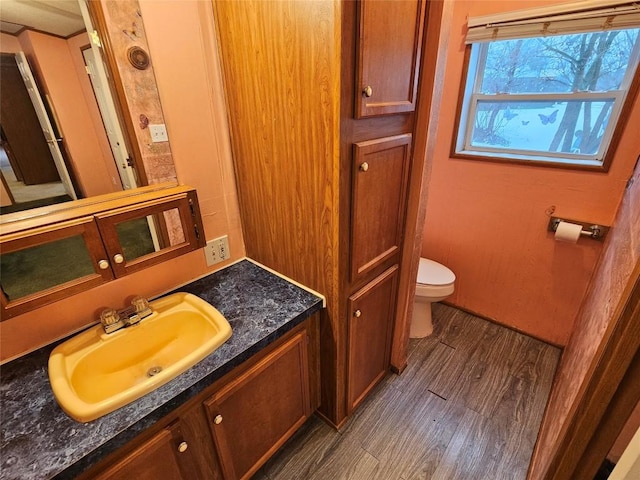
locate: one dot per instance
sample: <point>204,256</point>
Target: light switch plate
<point>158,133</point>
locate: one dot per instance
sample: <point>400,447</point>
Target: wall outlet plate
<point>158,133</point>
<point>217,250</point>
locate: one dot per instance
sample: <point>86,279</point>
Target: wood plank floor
<point>468,406</point>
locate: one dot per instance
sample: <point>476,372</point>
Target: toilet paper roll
<point>568,232</point>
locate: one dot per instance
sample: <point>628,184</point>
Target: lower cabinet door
<point>371,315</point>
<point>164,456</point>
<point>254,414</point>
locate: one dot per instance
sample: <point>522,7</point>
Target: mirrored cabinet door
<point>42,263</point>
<point>140,237</point>
<point>51,263</point>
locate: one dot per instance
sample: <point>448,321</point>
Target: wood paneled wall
<point>284,122</point>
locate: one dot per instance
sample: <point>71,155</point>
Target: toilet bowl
<point>435,282</point>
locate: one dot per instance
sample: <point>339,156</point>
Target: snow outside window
<point>555,98</point>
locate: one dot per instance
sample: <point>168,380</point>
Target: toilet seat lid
<point>433,273</point>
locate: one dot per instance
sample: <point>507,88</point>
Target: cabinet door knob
<point>118,258</point>
<point>367,91</point>
<point>183,447</point>
<point>218,419</point>
<point>357,314</point>
<point>364,166</point>
<point>103,264</point>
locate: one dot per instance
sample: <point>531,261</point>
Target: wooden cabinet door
<point>389,43</point>
<point>371,316</point>
<point>254,414</point>
<point>142,235</point>
<point>380,172</point>
<point>51,263</point>
<point>164,456</point>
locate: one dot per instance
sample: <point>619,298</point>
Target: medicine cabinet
<point>76,249</point>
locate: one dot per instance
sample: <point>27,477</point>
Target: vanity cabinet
<point>253,415</point>
<point>49,257</point>
<point>321,104</point>
<point>166,455</point>
<point>230,429</point>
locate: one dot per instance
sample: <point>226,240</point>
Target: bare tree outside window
<point>556,96</point>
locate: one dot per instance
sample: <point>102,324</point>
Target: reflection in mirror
<point>88,143</point>
<point>60,136</point>
<point>45,266</point>
<point>146,235</point>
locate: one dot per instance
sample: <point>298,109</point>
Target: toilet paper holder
<point>591,230</point>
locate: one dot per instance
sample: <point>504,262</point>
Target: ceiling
<point>58,17</point>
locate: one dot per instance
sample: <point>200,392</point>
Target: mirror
<point>44,266</point>
<point>92,144</point>
<point>146,235</point>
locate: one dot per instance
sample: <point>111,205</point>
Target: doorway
<point>31,162</point>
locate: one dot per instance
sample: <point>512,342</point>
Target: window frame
<point>468,99</point>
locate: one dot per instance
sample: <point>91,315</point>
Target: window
<point>545,92</point>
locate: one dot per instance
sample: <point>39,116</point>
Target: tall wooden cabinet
<point>321,99</point>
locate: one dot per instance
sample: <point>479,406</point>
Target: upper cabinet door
<point>145,234</point>
<point>47,264</point>
<point>389,44</point>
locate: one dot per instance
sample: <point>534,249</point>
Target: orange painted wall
<point>189,83</point>
<point>194,105</point>
<point>487,222</point>
<point>9,43</point>
<point>51,59</point>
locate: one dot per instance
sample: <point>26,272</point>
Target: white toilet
<point>434,283</point>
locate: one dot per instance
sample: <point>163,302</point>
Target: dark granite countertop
<point>39,441</point>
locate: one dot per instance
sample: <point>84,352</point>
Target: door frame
<point>106,107</point>
<point>45,123</point>
<point>610,393</point>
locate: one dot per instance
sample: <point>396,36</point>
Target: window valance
<point>583,16</point>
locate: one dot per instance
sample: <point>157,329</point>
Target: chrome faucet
<point>113,320</point>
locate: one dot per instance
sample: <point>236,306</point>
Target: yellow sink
<point>95,373</point>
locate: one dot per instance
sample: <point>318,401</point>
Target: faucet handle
<point>110,320</point>
<point>141,306</point>
<point>109,316</point>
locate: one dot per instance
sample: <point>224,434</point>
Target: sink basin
<point>93,373</point>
